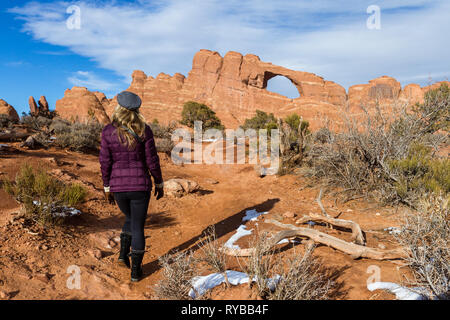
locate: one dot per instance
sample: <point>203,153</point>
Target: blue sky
<point>41,56</point>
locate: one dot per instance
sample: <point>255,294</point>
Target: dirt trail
<point>35,266</point>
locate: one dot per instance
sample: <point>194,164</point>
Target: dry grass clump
<point>177,273</point>
<point>426,235</point>
<point>260,264</point>
<point>302,278</point>
<point>42,195</point>
<point>212,255</point>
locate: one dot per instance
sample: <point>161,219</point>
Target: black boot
<point>136,264</point>
<point>125,244</point>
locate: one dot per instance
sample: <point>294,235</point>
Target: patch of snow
<point>3,145</point>
<point>205,283</point>
<point>252,215</point>
<point>401,293</point>
<point>240,232</point>
<point>288,241</point>
<point>393,230</point>
<point>63,212</point>
<point>311,223</point>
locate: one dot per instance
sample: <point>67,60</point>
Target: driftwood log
<point>357,234</point>
<point>354,250</point>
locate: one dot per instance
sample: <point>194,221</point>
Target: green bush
<point>194,111</point>
<point>419,173</point>
<point>261,120</point>
<point>42,195</point>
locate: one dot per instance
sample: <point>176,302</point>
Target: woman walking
<point>127,155</point>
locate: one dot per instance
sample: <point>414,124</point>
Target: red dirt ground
<point>34,265</point>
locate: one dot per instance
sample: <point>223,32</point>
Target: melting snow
<point>252,215</point>
<point>63,212</point>
<point>204,283</point>
<point>240,232</point>
<point>401,293</point>
<point>393,230</point>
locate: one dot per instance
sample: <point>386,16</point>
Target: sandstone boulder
<point>81,104</point>
<point>7,109</point>
<point>179,187</point>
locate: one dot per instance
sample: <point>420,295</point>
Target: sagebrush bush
<point>426,235</point>
<point>5,121</point>
<point>43,194</point>
<point>163,136</point>
<point>194,111</point>
<point>78,136</point>
<point>212,254</point>
<point>374,157</point>
<point>420,173</point>
<point>177,273</point>
<point>302,278</point>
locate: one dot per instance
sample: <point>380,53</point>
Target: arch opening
<point>282,85</point>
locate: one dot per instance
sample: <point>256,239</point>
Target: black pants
<point>134,205</point>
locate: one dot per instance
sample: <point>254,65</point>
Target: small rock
<point>349,210</point>
<point>4,295</point>
<point>377,214</point>
<point>44,247</point>
<point>381,246</point>
<point>211,181</point>
<point>177,233</point>
<point>289,214</point>
<point>44,277</point>
<point>97,254</point>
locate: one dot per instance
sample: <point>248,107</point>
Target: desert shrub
<point>294,133</point>
<point>301,278</point>
<point>420,173</point>
<point>36,122</point>
<point>6,121</point>
<point>42,195</point>
<point>78,136</point>
<point>212,255</point>
<point>426,235</point>
<point>260,264</point>
<point>375,157</point>
<point>177,273</point>
<point>194,111</point>
<point>261,120</point>
<point>163,136</point>
<point>60,126</point>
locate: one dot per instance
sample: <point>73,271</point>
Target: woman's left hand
<point>110,197</point>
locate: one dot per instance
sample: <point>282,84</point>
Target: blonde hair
<point>133,120</point>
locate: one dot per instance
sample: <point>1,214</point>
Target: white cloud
<point>91,81</point>
<point>325,37</point>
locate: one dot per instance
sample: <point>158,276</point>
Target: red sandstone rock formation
<point>234,86</point>
<point>6,108</point>
<point>79,103</point>
<point>33,106</point>
<point>43,104</point>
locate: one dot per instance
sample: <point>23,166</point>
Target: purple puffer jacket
<point>128,170</point>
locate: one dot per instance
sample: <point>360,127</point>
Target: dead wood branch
<point>357,235</point>
<point>356,251</point>
<point>9,137</point>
